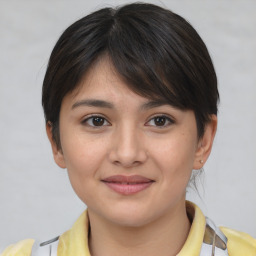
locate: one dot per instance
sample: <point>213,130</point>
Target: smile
<point>127,185</point>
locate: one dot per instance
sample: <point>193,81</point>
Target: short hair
<point>157,53</point>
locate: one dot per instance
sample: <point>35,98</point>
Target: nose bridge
<point>128,149</point>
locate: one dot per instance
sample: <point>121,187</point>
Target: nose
<point>127,148</point>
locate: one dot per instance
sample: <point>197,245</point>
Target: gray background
<point>36,199</point>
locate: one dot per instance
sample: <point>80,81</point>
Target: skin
<point>129,141</point>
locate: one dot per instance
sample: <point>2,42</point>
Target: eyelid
<point>168,118</point>
<point>86,118</point>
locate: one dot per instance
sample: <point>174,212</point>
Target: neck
<point>164,236</point>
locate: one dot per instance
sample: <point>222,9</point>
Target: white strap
<point>215,242</point>
<point>208,250</point>
<point>48,248</point>
<point>54,247</point>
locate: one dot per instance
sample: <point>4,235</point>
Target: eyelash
<point>85,121</point>
<point>167,119</point>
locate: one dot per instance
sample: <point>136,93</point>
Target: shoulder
<point>239,243</point>
<point>22,248</point>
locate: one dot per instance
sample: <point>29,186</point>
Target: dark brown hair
<point>157,53</point>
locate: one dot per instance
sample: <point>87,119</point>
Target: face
<point>129,159</point>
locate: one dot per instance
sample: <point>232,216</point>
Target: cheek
<point>175,157</point>
<point>175,150</point>
<point>83,157</point>
<point>82,151</point>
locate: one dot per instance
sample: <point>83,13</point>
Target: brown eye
<point>98,121</point>
<point>95,121</point>
<point>160,121</point>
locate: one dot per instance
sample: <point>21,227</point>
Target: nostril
<point>127,149</point>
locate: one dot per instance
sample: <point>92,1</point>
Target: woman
<point>130,101</point>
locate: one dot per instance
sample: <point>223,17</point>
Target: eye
<point>95,121</point>
<point>160,121</point>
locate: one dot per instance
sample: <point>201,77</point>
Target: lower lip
<point>128,189</point>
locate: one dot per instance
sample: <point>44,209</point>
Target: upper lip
<point>127,179</point>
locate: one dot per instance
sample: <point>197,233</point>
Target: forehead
<point>103,81</point>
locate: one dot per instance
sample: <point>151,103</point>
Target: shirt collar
<point>75,240</point>
<point>195,237</point>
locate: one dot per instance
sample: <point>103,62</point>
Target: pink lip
<point>127,185</point>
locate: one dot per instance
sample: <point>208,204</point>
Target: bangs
<point>145,69</point>
<point>155,58</point>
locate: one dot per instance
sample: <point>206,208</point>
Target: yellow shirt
<point>74,242</point>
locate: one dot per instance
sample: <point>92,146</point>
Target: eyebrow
<point>154,104</point>
<point>93,103</point>
<point>105,104</point>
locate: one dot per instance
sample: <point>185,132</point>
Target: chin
<point>131,221</point>
<point>133,218</point>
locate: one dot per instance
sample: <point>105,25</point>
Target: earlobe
<point>205,143</point>
<point>57,152</point>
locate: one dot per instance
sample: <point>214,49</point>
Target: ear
<point>205,143</point>
<point>57,152</point>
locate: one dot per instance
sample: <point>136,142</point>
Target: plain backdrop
<point>36,199</point>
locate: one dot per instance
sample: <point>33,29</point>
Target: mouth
<point>127,185</point>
